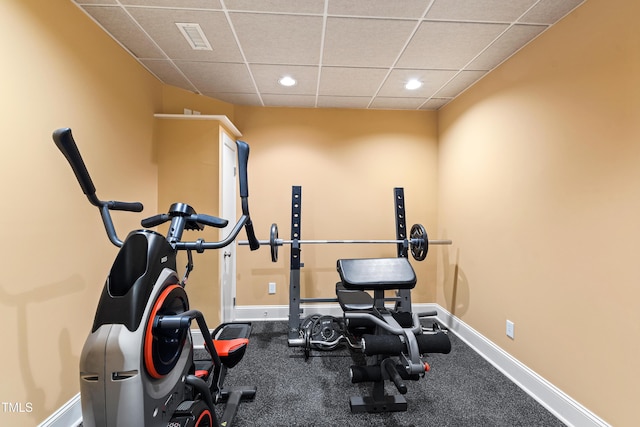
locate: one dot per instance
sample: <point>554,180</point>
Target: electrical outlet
<point>510,329</point>
<point>272,288</point>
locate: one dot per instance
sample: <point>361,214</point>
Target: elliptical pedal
<point>231,341</point>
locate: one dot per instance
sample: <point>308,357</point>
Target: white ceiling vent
<point>194,35</point>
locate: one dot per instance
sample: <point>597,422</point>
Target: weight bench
<point>396,339</point>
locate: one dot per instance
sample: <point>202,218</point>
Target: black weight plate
<point>273,236</point>
<point>419,242</point>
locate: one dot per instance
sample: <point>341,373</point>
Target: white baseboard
<point>553,399</point>
<point>68,415</point>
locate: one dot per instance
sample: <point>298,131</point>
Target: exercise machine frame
<point>137,366</point>
<point>394,339</point>
<point>296,335</point>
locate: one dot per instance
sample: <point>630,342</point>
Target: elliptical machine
<point>137,366</point>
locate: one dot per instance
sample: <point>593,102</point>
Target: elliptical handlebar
<point>67,145</point>
<point>243,160</point>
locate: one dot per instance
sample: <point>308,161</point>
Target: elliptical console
<point>137,366</point>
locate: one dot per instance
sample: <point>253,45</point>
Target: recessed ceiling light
<point>413,84</point>
<point>287,81</point>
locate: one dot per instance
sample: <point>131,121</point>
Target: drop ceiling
<point>342,53</point>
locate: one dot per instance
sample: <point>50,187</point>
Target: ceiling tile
<point>102,2</point>
<point>435,103</point>
<point>279,39</point>
<point>236,98</point>
<point>176,4</point>
<point>402,103</point>
<point>267,76</point>
<point>168,73</point>
<point>380,8</point>
<point>448,45</point>
<point>432,80</point>
<point>340,81</point>
<point>474,10</point>
<point>343,101</point>
<point>550,11</point>
<point>511,41</point>
<point>217,77</point>
<point>302,101</point>
<point>125,30</point>
<point>459,83</point>
<point>277,6</point>
<point>161,25</point>
<point>365,42</point>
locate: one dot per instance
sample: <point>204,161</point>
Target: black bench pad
<point>376,273</point>
<point>353,300</point>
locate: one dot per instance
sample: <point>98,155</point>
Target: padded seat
<point>376,274</point>
<point>351,300</point>
<point>230,341</point>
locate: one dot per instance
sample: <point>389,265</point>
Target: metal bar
<point>295,264</point>
<point>401,223</point>
<point>280,242</point>
<point>313,300</point>
<point>402,249</point>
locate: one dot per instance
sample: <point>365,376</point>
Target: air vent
<point>194,35</point>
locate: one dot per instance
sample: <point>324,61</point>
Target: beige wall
<point>539,190</point>
<point>347,162</point>
<point>175,100</point>
<point>187,153</point>
<point>60,70</point>
<point>533,174</point>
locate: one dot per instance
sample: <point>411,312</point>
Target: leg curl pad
<point>393,345</point>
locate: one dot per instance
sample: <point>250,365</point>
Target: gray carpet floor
<point>462,389</point>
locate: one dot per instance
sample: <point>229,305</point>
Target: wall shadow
<point>28,343</point>
<point>455,284</point>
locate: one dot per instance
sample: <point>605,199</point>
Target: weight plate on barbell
<point>273,236</point>
<point>419,242</point>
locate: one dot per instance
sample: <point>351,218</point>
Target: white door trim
<point>228,193</point>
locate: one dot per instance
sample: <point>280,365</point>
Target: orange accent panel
<point>224,347</point>
<point>205,414</point>
<point>148,336</point>
<point>201,373</point>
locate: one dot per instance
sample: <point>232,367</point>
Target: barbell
<point>418,242</point>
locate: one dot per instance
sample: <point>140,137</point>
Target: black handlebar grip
<point>155,220</point>
<point>243,160</point>
<point>125,206</point>
<point>212,221</point>
<point>251,236</point>
<point>64,140</point>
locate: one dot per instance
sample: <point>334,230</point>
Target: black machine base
<point>393,403</point>
<point>233,396</point>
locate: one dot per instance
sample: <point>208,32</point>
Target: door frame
<point>228,211</point>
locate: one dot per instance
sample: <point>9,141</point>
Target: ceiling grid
<point>343,54</point>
